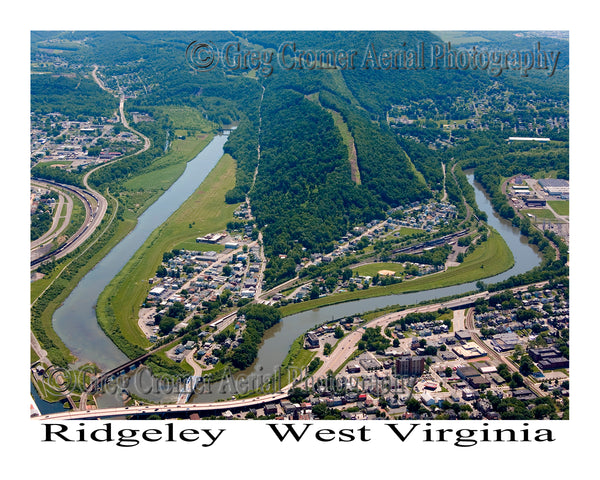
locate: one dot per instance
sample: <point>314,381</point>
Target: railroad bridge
<point>103,379</point>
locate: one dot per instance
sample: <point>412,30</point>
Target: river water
<point>76,324</point>
<point>75,321</point>
<point>278,339</point>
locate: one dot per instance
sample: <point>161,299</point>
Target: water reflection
<point>278,340</point>
<point>75,321</point>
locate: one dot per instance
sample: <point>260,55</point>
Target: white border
<point>254,449</point>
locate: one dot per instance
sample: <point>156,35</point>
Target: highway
<point>93,217</point>
<point>95,203</point>
<point>185,409</point>
<point>347,344</point>
<point>54,231</point>
<point>343,350</point>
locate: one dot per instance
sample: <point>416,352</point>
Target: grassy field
<point>76,220</point>
<point>488,259</point>
<point>118,304</point>
<point>187,118</point>
<point>143,190</point>
<point>560,206</point>
<point>540,213</point>
<point>62,280</point>
<point>373,268</point>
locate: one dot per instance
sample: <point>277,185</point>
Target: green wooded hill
<point>73,97</point>
<point>304,197</point>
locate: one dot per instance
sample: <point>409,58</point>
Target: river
<point>76,324</point>
<point>277,340</point>
<point>75,321</point>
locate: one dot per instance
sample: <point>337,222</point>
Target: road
<point>54,231</point>
<point>167,408</point>
<point>40,254</point>
<point>347,344</point>
<point>495,356</point>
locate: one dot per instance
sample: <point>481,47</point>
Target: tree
<point>315,291</point>
<point>430,350</point>
<point>297,395</point>
<point>516,380</point>
<point>504,372</point>
<point>177,310</point>
<point>320,410</point>
<point>413,405</point>
<point>527,366</point>
<point>161,271</point>
<point>327,349</point>
<point>339,332</point>
<point>166,325</point>
<point>313,365</point>
<point>346,274</point>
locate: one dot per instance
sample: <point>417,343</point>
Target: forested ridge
<point>76,97</point>
<point>304,198</point>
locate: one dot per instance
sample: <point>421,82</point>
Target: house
<point>429,400</point>
<point>179,349</point>
<point>179,357</point>
<point>288,407</point>
<point>468,394</point>
<point>351,397</point>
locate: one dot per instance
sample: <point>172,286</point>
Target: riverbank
<point>488,259</point>
<point>205,211</point>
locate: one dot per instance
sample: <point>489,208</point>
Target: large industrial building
<point>554,186</point>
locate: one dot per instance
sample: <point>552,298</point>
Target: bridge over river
<point>168,409</point>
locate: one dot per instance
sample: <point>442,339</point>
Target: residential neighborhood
<point>437,364</point>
